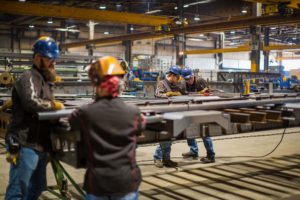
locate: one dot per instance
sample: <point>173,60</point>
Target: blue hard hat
<point>175,70</point>
<point>186,73</point>
<point>47,47</point>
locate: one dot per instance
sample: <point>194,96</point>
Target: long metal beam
<point>202,28</point>
<point>215,51</point>
<point>47,10</point>
<point>240,49</point>
<point>213,105</point>
<point>280,47</point>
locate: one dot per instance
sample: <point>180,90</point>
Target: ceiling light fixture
<point>175,8</point>
<point>31,26</point>
<point>67,30</point>
<point>197,2</point>
<point>102,7</point>
<point>201,35</point>
<point>50,21</point>
<point>232,32</point>
<point>131,28</point>
<point>197,18</point>
<point>106,33</point>
<point>244,11</point>
<point>153,11</point>
<point>273,28</point>
<point>196,39</point>
<point>22,0</point>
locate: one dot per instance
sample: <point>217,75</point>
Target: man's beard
<point>48,73</point>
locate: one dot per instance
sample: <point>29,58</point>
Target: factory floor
<point>238,173</point>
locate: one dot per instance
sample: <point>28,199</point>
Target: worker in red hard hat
<point>27,139</point>
<point>109,128</point>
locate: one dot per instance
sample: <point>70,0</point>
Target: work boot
<point>207,160</point>
<point>190,155</point>
<point>158,163</point>
<point>169,163</point>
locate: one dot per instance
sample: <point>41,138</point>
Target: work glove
<point>13,148</point>
<point>205,90</point>
<point>12,158</point>
<point>7,104</point>
<point>171,94</point>
<point>57,105</point>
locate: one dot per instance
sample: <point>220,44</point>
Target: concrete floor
<point>239,171</point>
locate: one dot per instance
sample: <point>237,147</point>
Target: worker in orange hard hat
<point>109,128</point>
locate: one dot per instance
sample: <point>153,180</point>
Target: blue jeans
<point>27,179</point>
<point>163,151</point>
<point>207,144</point>
<point>129,196</point>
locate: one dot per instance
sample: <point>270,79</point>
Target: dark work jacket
<point>165,86</point>
<point>109,128</point>
<point>31,94</point>
<point>198,85</point>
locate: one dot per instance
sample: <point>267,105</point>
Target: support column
<point>255,48</point>
<point>90,47</point>
<point>128,47</point>
<point>180,39</point>
<point>266,53</point>
<point>219,44</point>
<point>255,39</point>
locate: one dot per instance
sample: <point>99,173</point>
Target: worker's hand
<point>7,104</point>
<point>12,158</point>
<point>205,90</point>
<point>171,94</point>
<point>57,105</point>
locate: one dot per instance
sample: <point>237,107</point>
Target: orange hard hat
<point>107,65</point>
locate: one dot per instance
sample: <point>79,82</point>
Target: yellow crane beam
<point>280,47</point>
<point>201,28</point>
<point>214,51</point>
<point>240,49</point>
<point>47,10</point>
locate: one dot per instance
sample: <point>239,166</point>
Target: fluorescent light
<point>197,18</point>
<point>232,32</point>
<point>178,22</point>
<point>195,39</point>
<point>152,11</point>
<point>31,26</point>
<point>102,7</point>
<point>67,30</point>
<point>106,33</point>
<point>244,11</point>
<point>22,0</point>
<point>50,21</point>
<point>196,3</point>
<point>273,28</point>
<point>201,35</point>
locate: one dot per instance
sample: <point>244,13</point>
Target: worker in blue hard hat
<point>167,88</point>
<point>27,139</point>
<point>196,84</point>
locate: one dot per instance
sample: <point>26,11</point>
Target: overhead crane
<point>48,10</point>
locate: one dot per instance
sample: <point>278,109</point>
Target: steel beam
<point>202,28</point>
<point>215,51</point>
<point>166,107</point>
<point>240,49</point>
<point>46,10</point>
